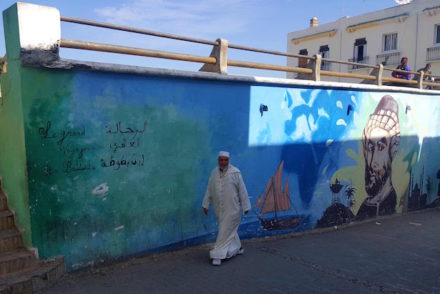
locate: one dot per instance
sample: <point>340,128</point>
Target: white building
<point>410,30</point>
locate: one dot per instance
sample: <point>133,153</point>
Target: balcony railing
<point>433,53</point>
<point>391,58</point>
<point>364,60</point>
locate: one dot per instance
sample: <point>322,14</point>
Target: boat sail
<point>275,200</point>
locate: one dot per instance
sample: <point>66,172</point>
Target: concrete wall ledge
<point>148,71</point>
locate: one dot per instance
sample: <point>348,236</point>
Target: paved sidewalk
<point>399,254</point>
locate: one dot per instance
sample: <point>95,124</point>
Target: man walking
<point>228,194</point>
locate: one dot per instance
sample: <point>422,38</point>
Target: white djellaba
<point>227,192</point>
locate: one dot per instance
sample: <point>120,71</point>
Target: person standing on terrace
<point>427,71</point>
<point>402,66</point>
<point>427,75</point>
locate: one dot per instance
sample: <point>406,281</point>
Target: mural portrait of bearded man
<point>380,141</point>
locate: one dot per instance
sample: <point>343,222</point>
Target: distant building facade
<point>411,30</point>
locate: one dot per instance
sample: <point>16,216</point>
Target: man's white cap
<point>223,154</point>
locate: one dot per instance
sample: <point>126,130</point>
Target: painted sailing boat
<point>274,201</point>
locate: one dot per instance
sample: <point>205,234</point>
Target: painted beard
<point>375,179</point>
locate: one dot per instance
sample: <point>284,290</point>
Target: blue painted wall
<point>118,163</point>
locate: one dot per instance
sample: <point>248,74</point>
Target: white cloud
<point>193,18</point>
<point>401,2</point>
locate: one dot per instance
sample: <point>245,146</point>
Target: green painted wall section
<point>12,147</point>
<point>42,101</point>
<point>83,199</point>
<point>11,32</point>
<point>12,151</point>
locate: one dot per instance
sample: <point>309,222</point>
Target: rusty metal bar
<point>269,67</point>
<point>134,51</point>
<point>432,84</point>
<point>400,70</point>
<point>431,75</point>
<point>296,69</point>
<point>135,30</point>
<point>240,47</point>
<point>346,75</point>
<point>401,81</point>
<point>195,40</point>
<point>350,63</point>
<point>212,60</point>
<point>172,36</point>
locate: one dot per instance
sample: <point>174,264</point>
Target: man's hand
<point>205,210</point>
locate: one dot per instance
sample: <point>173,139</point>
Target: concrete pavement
<point>398,254</point>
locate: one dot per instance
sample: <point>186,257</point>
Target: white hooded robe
<point>228,194</point>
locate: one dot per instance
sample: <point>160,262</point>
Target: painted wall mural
<point>276,200</point>
<point>118,164</point>
<point>363,152</point>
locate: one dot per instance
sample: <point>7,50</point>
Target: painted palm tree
<point>349,193</point>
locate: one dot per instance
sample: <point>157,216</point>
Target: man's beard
<point>375,179</point>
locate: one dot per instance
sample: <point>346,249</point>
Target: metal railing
<point>362,61</point>
<point>325,65</point>
<point>218,61</point>
<point>390,58</point>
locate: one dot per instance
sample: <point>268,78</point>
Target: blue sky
<point>255,23</point>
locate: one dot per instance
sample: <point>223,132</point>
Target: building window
<point>389,42</point>
<point>437,34</point>
<point>325,53</point>
<point>359,53</point>
<point>360,50</point>
<point>302,62</point>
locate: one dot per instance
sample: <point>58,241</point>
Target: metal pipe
<point>135,30</point>
<point>430,75</point>
<point>401,81</point>
<point>296,69</point>
<point>346,75</point>
<point>134,51</point>
<point>433,84</point>
<point>240,47</point>
<point>172,36</point>
<point>269,67</point>
<point>350,63</point>
<point>400,70</point>
<point>212,60</point>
